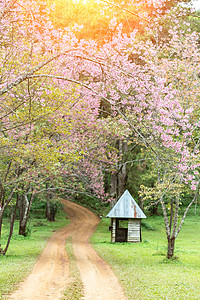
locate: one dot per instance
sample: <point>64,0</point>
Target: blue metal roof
<point>126,207</point>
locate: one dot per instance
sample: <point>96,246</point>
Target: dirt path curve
<point>50,274</point>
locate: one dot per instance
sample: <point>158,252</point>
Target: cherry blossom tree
<point>49,130</point>
<point>153,90</point>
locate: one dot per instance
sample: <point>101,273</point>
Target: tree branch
<point>125,9</point>
<point>28,74</point>
<point>187,209</point>
<point>7,8</point>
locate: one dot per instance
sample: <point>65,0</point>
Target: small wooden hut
<point>126,218</point>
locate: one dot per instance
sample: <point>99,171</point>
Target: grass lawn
<point>143,268</point>
<point>23,251</point>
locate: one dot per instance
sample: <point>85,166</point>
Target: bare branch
<point>187,209</point>
<point>7,8</point>
<point>28,74</point>
<point>127,10</point>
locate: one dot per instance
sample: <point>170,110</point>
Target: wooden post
<point>113,233</point>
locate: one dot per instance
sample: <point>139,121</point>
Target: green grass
<point>143,268</point>
<point>23,251</point>
<point>74,289</point>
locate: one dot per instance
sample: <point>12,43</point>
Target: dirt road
<point>50,274</point>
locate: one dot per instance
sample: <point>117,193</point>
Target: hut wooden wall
<point>113,232</point>
<point>134,228</point>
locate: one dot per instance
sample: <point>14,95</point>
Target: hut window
<point>123,223</point>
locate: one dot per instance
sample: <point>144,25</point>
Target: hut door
<point>121,231</point>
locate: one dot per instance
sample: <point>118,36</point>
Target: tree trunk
<point>22,227</point>
<point>51,210</point>
<point>140,203</point>
<point>52,214</point>
<point>12,221</point>
<point>24,210</point>
<point>171,214</point>
<point>1,220</point>
<point>170,250</point>
<point>122,174</point>
<point>155,209</point>
<point>118,179</point>
<point>48,212</point>
<point>113,188</point>
<point>3,206</point>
